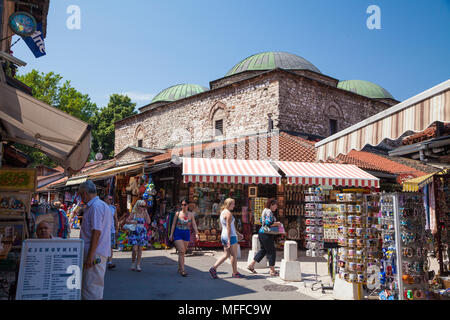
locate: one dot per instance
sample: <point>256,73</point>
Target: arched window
<point>139,137</point>
<point>333,115</point>
<point>217,117</point>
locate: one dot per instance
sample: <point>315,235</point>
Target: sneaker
<point>133,266</point>
<point>213,273</point>
<point>138,268</point>
<point>111,265</point>
<point>238,275</point>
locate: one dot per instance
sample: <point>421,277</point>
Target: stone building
<point>264,92</point>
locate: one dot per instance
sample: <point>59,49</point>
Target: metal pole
<point>398,252</point>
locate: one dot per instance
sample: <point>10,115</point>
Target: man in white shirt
<point>114,226</point>
<point>96,234</point>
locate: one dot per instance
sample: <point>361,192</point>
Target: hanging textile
<point>433,222</point>
<point>426,191</point>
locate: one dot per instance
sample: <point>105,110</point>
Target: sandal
<point>252,270</point>
<point>213,273</point>
<point>238,275</point>
<point>274,274</point>
<point>182,272</point>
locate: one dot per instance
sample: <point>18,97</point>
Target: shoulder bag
<point>130,226</point>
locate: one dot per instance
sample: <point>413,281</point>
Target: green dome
<point>365,88</point>
<point>178,92</point>
<point>272,60</point>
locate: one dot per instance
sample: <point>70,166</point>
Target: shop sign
<point>22,23</point>
<point>36,42</point>
<point>12,179</point>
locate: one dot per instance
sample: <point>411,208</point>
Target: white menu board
<point>50,269</point>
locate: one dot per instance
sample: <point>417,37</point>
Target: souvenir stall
<point>331,220</point>
<point>436,195</point>
<point>209,182</point>
<point>16,221</point>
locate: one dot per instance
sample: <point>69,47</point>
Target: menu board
<point>50,269</point>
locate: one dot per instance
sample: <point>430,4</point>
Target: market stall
<point>435,191</point>
<point>16,221</point>
<point>208,182</point>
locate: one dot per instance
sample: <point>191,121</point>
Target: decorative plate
<point>22,24</point>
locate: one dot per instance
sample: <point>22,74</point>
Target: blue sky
<point>141,47</point>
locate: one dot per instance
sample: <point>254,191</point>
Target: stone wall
<point>307,106</point>
<point>246,107</point>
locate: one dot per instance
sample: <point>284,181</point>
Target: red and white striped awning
<point>327,174</point>
<point>229,171</point>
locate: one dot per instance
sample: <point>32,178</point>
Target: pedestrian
<point>114,226</point>
<point>61,221</point>
<point>267,240</point>
<point>96,234</point>
<point>229,239</point>
<point>138,238</point>
<point>43,231</point>
<point>181,234</point>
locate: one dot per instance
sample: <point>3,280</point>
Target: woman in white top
<point>229,239</point>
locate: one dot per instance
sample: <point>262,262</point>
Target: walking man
<point>96,234</point>
<point>114,226</point>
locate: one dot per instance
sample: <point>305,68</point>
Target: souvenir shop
<point>131,185</point>
<point>208,182</point>
<point>307,213</point>
<point>435,191</point>
<point>16,221</point>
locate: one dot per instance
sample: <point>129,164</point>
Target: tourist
<point>138,238</point>
<point>43,231</point>
<point>267,240</point>
<point>229,239</point>
<point>114,226</point>
<point>96,234</point>
<point>62,221</point>
<point>181,234</point>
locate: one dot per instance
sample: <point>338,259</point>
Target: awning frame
<point>20,106</point>
<point>415,114</point>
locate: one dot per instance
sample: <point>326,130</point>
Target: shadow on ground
<point>159,280</point>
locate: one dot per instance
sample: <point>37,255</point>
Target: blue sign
<point>36,42</point>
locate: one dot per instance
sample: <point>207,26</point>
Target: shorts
<point>113,240</point>
<point>181,234</point>
<point>233,240</point>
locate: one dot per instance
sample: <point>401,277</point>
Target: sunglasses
<point>184,204</point>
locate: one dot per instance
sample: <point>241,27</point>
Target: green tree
<point>118,108</point>
<point>49,89</point>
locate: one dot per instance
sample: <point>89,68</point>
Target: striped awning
<point>229,171</point>
<point>414,114</point>
<point>327,174</point>
<point>413,185</point>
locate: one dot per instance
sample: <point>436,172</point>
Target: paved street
<point>159,279</point>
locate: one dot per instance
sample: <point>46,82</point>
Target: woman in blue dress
<point>138,238</point>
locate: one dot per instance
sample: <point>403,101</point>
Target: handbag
<point>130,226</point>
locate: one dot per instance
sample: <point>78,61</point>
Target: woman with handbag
<point>181,234</point>
<point>230,238</point>
<point>266,239</point>
<point>137,236</point>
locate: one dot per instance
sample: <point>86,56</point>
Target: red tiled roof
<point>373,161</point>
<point>426,134</point>
<point>291,148</point>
